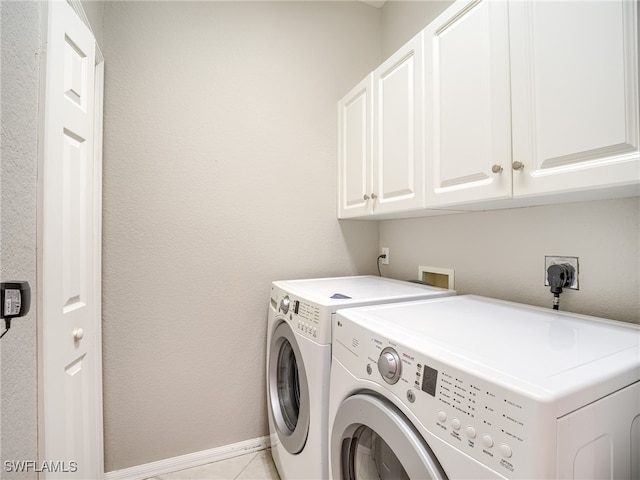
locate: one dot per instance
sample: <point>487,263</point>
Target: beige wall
<point>219,177</point>
<point>501,253</point>
<point>20,57</point>
<point>402,19</point>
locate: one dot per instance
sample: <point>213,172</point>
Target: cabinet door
<point>574,95</point>
<point>398,154</point>
<point>467,104</point>
<point>354,151</point>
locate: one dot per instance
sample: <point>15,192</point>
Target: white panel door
<point>575,95</point>
<point>467,104</point>
<point>354,151</point>
<point>70,360</point>
<point>398,149</point>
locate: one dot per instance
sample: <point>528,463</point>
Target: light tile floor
<point>252,466</point>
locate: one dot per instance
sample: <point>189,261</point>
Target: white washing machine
<point>299,360</point>
<point>470,387</point>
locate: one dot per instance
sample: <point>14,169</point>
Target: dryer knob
<point>284,304</point>
<point>389,365</point>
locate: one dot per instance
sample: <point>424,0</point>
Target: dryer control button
<point>471,432</point>
<point>487,440</point>
<point>505,450</point>
<point>442,416</point>
<point>455,423</point>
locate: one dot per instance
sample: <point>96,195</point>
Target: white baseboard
<point>190,460</point>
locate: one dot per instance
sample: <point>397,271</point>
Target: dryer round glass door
<point>288,389</point>
<point>372,439</point>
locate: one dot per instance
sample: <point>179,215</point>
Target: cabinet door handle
<point>373,196</point>
<point>497,168</point>
<point>517,165</point>
<point>366,197</point>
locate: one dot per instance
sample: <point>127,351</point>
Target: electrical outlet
<point>554,260</point>
<point>384,251</point>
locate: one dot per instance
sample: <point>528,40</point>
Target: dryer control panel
<point>493,424</point>
<point>305,318</point>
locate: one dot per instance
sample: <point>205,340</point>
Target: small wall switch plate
<point>557,260</point>
<point>437,277</point>
<point>384,251</point>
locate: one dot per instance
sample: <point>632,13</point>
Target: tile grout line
<point>255,455</point>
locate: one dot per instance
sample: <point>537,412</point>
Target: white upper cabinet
<point>354,150</point>
<point>497,104</point>
<point>381,138</point>
<point>468,130</point>
<point>574,87</point>
<point>531,101</point>
<point>398,132</point>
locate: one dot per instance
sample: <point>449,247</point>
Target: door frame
<point>76,5</point>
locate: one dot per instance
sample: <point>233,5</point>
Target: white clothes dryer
<point>299,359</point>
<point>471,387</point>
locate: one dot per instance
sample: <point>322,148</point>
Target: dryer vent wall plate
<point>437,277</point>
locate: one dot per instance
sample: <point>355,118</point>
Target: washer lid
<point>340,292</point>
<point>542,352</point>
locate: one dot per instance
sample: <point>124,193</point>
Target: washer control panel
<point>476,416</point>
<point>496,426</point>
<point>306,318</point>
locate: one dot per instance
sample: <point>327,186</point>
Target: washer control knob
<point>389,365</point>
<point>284,304</point>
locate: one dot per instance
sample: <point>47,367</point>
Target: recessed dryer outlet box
<point>437,277</point>
<point>556,260</point>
